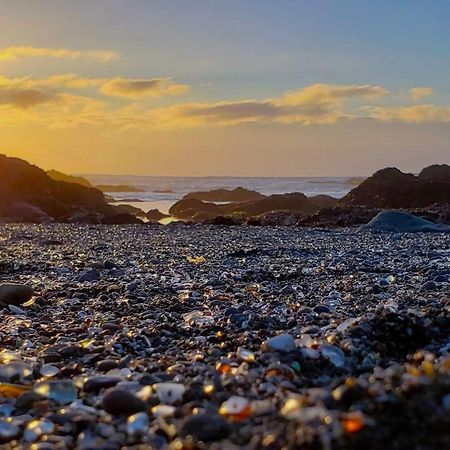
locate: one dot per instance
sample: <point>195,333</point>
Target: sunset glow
<point>194,88</point>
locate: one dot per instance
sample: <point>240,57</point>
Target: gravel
<point>224,337</point>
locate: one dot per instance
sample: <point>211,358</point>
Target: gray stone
<point>283,342</point>
<point>397,221</point>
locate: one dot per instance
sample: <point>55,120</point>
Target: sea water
<point>163,192</point>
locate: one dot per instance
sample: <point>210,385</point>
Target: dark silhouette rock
<point>398,221</point>
<point>224,221</point>
<point>436,172</point>
<point>27,193</point>
<point>188,208</point>
<point>60,176</point>
<point>275,218</point>
<point>339,216</point>
<point>391,188</point>
<point>155,215</point>
<point>324,201</point>
<point>238,194</point>
<point>198,210</point>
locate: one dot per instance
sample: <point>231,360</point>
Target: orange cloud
<point>314,104</point>
<point>411,114</point>
<point>25,98</point>
<point>17,52</point>
<point>419,92</point>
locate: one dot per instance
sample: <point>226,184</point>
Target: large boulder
<point>398,221</point>
<point>27,193</point>
<point>239,194</point>
<point>391,188</point>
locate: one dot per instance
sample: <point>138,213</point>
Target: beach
<point>238,337</point>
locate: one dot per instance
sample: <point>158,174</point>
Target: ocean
<point>163,192</point>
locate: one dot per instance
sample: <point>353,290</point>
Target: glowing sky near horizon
<point>244,88</point>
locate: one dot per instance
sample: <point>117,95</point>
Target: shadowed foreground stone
<point>206,427</point>
<point>15,294</point>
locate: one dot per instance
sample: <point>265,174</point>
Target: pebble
<point>428,286</point>
<point>306,340</point>
<point>97,383</point>
<point>8,431</point>
<point>282,342</point>
<point>119,401</point>
<point>206,427</point>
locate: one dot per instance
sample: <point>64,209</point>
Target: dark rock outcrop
<point>59,176</point>
<point>324,201</point>
<point>155,215</point>
<point>275,218</point>
<point>436,172</point>
<point>239,194</point>
<point>198,210</point>
<point>391,188</point>
<point>340,216</point>
<point>27,193</point>
<point>296,202</point>
<point>189,208</point>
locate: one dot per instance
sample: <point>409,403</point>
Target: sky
<point>225,87</point>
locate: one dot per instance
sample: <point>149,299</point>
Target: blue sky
<point>253,50</point>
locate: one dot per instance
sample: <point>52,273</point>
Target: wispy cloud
<point>25,98</point>
<point>69,100</point>
<point>116,87</point>
<point>18,52</point>
<point>419,92</point>
<point>411,114</point>
<point>314,104</point>
<point>146,87</point>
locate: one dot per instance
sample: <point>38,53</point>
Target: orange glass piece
<point>8,390</point>
<point>353,422</point>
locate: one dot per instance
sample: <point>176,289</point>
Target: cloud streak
<point>146,87</point>
<point>115,87</point>
<point>18,52</point>
<point>67,100</point>
<point>419,92</point>
<point>314,104</point>
<point>411,114</point>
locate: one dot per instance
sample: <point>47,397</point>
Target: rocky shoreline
<point>186,337</point>
<point>28,194</point>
